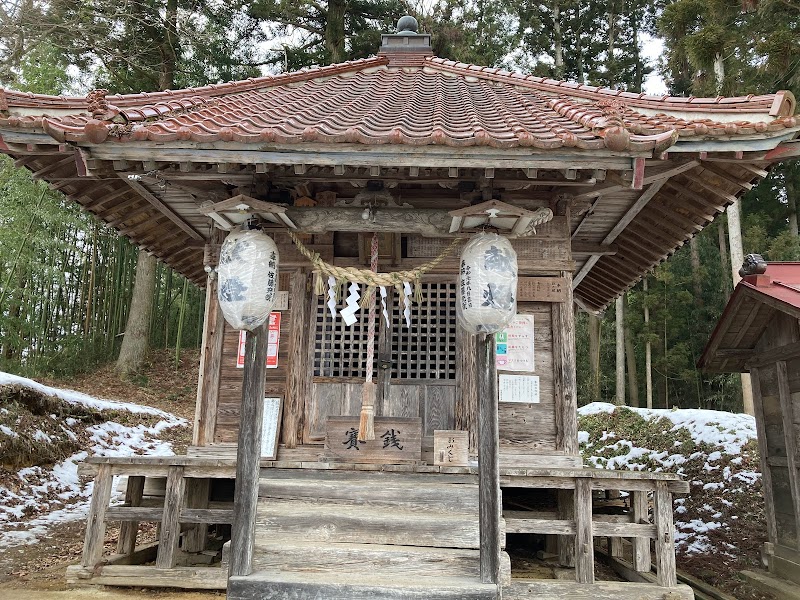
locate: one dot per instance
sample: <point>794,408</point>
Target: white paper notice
<point>515,348</point>
<point>519,388</point>
<point>269,428</point>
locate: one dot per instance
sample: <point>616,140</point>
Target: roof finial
<point>407,25</point>
<point>753,264</point>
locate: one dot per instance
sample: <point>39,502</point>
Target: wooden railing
<point>578,522</point>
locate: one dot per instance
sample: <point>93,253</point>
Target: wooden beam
<point>726,176</point>
<point>564,373</point>
<point>584,542</point>
<point>163,208</point>
<point>665,535</point>
<point>128,530</point>
<point>170,524</point>
<point>612,188</point>
<point>297,363</point>
<point>96,519</point>
<point>638,174</point>
<point>763,451</point>
<point>753,169</point>
<point>790,437</point>
<point>634,210</point>
<point>489,509</point>
<point>587,247</point>
<point>584,270</point>
<point>641,545</point>
<point>245,500</point>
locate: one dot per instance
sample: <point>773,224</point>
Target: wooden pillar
<point>96,520</point>
<point>466,392</point>
<point>787,415</point>
<point>763,451</point>
<point>245,499</point>
<point>297,375</point>
<point>170,520</point>
<point>665,536</point>
<point>210,367</point>
<point>642,558</point>
<point>488,460</point>
<point>566,543</point>
<point>128,531</point>
<point>584,536</point>
<point>197,490</point>
<point>564,372</point>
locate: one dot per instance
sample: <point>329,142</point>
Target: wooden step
<point>412,493</point>
<point>266,585</point>
<point>288,554</point>
<point>365,525</point>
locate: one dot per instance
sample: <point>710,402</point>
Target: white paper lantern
<point>487,290</point>
<point>248,278</point>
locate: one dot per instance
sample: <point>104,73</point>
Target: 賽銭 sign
<point>397,440</point>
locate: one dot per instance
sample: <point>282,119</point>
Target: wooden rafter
<point>163,209</point>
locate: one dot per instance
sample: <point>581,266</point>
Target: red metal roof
<point>780,283</point>
<point>372,101</point>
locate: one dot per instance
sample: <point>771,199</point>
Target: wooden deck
<point>291,489</point>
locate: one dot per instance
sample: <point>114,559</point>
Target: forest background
<point>67,281</point>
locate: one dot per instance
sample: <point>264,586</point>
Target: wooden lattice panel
<point>339,350</point>
<point>427,349</point>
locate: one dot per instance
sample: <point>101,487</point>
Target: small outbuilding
<point>759,332</point>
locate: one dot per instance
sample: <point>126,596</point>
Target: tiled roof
<point>370,101</point>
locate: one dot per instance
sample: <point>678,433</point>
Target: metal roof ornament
<point>753,264</point>
<point>407,25</point>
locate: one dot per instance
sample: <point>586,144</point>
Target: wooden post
<point>641,546</point>
<point>466,392</point>
<point>763,451</point>
<point>297,375</point>
<point>197,490</point>
<point>210,368</point>
<point>170,524</point>
<point>665,536</point>
<point>566,543</point>
<point>564,372</point>
<point>584,538</point>
<point>787,416</point>
<point>488,460</point>
<point>96,520</point>
<point>620,340</point>
<point>126,543</point>
<point>245,499</point>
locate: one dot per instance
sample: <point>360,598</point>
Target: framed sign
<point>514,345</point>
<point>519,388</point>
<point>270,427</point>
<point>273,342</point>
<point>542,289</point>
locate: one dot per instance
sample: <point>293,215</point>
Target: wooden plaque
<point>451,448</point>
<point>542,289</point>
<point>397,440</point>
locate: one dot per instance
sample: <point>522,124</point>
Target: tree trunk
<point>719,72</point>
<point>334,31</point>
<point>558,50</point>
<point>791,198</point>
<point>737,258</point>
<point>630,356</point>
<point>723,255</point>
<point>594,356</point>
<point>697,283</point>
<point>620,398</point>
<point>168,47</point>
<point>137,331</point>
<point>648,350</point>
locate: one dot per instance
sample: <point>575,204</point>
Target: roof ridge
<point>779,104</point>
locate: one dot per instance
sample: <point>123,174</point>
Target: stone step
<point>337,523</point>
<point>270,585</point>
<point>404,493</point>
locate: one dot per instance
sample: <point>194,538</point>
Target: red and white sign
<point>273,342</point>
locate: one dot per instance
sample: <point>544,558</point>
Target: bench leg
<point>96,520</point>
<point>170,525</point>
<point>642,558</point>
<point>584,540</point>
<point>197,490</point>
<point>130,529</point>
<point>665,537</point>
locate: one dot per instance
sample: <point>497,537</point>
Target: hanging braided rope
<point>366,427</point>
<point>371,279</point>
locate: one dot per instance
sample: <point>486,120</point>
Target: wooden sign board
<point>451,448</point>
<point>526,249</point>
<point>542,289</point>
<point>270,427</point>
<point>397,440</point>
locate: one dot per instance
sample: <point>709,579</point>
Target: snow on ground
<point>715,451</point>
<point>35,497</point>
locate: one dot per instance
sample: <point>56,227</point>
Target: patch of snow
<point>9,432</point>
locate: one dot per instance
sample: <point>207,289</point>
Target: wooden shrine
<point>759,332</point>
<point>593,186</point>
